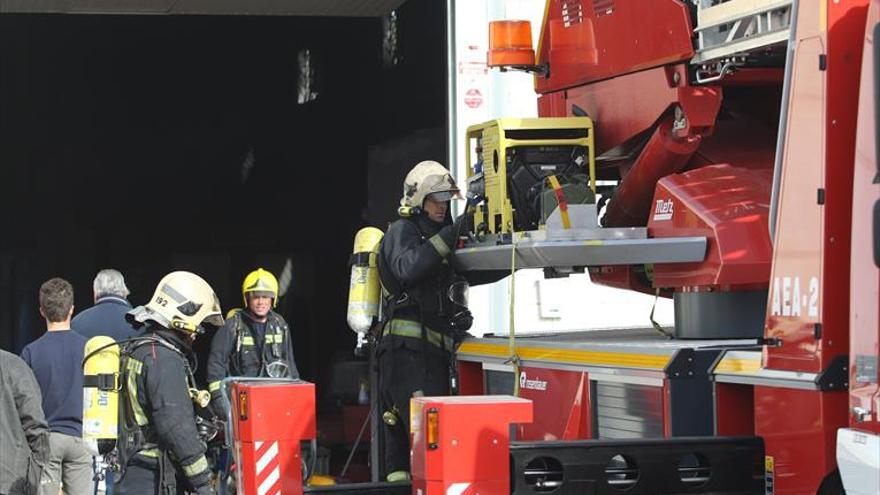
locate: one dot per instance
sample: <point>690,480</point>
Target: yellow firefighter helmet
<point>260,280</point>
<point>182,301</point>
<point>427,178</point>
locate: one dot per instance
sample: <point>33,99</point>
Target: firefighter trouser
<point>404,370</point>
<point>142,479</point>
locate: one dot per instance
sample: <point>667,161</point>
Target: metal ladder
<point>728,30</point>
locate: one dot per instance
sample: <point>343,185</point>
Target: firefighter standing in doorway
<point>425,308</point>
<point>254,342</point>
<point>159,447</point>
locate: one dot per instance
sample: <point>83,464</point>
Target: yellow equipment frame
<point>495,144</point>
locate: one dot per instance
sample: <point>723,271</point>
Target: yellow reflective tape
<point>150,453</point>
<point>247,340</point>
<point>197,467</point>
<point>573,356</point>
<point>413,329</point>
<point>269,339</point>
<point>279,338</point>
<point>738,365</point>
<point>135,368</point>
<point>214,386</point>
<point>439,245</point>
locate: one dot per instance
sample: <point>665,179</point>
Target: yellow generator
<point>524,174</point>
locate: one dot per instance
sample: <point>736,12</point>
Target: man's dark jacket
<point>106,317</point>
<point>24,433</point>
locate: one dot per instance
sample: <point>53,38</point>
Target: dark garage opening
<point>155,143</point>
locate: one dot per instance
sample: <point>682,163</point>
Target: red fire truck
<point>749,124</point>
<point>729,149</point>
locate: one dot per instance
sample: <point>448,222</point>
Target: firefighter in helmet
<point>255,341</point>
<point>425,308</point>
<point>159,447</point>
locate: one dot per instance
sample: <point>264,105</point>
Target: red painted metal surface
<point>470,378</point>
<point>269,421</point>
<point>629,105</point>
<point>754,77</point>
<point>742,142</point>
<point>734,410</point>
<point>799,428</point>
<point>865,276</point>
<point>809,305</point>
<point>663,155</point>
<point>561,405</point>
<point>667,404</point>
<point>588,40</point>
<point>472,452</point>
<point>727,205</point>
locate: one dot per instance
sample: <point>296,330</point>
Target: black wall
<point>122,141</point>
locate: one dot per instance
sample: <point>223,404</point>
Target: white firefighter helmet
<point>182,301</point>
<point>428,178</point>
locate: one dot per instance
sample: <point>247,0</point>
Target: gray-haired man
<point>107,316</point>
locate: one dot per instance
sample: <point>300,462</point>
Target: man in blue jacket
<point>56,359</point>
<point>107,316</point>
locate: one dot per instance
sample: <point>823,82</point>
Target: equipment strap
<point>654,323</point>
<point>560,199</point>
<point>513,357</point>
<point>102,381</point>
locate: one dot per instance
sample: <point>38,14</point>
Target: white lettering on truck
<point>789,299</point>
<point>663,210</point>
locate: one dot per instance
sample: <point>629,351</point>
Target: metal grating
<point>628,411</point>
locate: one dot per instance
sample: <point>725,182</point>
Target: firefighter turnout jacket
<point>245,347</point>
<point>158,429</point>
<point>416,274</point>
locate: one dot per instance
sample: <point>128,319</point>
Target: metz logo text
<point>663,209</point>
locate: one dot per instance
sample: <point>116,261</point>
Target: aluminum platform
<point>578,248</point>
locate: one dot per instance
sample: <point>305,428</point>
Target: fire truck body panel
<point>858,445</point>
<point>704,179</point>
<point>617,37</point>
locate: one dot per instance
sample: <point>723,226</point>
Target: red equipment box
<point>270,418</point>
<point>461,444</point>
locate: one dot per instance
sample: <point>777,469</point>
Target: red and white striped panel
<point>268,468</point>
